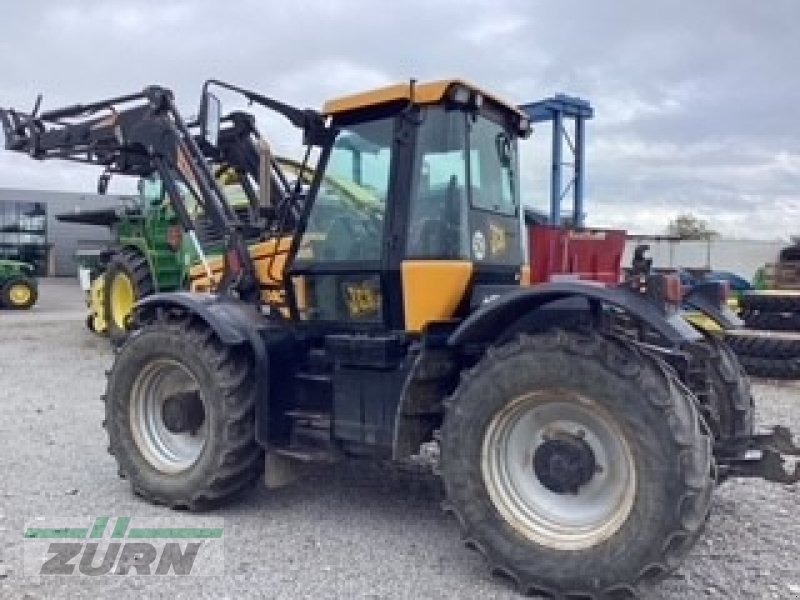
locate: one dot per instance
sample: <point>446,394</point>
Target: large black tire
<point>656,416</point>
<point>131,264</point>
<point>773,346</point>
<point>771,321</point>
<point>11,298</point>
<point>228,460</point>
<point>772,368</point>
<point>724,392</point>
<point>776,302</point>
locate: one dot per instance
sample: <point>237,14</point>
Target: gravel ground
<point>355,531</point>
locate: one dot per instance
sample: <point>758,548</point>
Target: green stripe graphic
<point>175,532</point>
<point>56,532</point>
<point>99,527</point>
<point>121,528</point>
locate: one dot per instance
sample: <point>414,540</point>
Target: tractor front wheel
<point>180,415</point>
<point>577,464</point>
<point>127,280</point>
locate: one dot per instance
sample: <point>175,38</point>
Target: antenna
<point>36,106</point>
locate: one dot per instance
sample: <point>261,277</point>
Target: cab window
<point>346,222</point>
<point>492,161</point>
<point>438,198</point>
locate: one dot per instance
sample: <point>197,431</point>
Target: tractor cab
<point>419,202</point>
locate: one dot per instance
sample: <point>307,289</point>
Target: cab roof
<point>432,92</point>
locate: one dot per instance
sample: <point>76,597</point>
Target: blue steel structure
<point>560,110</point>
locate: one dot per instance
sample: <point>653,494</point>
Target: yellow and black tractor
<point>384,308</point>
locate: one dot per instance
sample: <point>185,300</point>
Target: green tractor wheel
<point>19,293</point>
<point>127,280</point>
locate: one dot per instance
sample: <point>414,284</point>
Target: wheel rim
<point>20,294</point>
<point>122,299</point>
<point>546,427</point>
<point>164,448</point>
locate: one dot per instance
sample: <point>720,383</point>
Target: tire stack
<point>770,346</point>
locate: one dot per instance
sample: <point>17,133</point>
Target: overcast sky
<point>697,104</point>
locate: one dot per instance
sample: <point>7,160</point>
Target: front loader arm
<point>138,134</point>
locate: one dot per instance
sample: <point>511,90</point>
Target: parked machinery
<point>775,305</point>
<point>572,452</point>
<point>149,252</point>
<point>18,287</point>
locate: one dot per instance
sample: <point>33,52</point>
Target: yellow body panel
<point>268,257</point>
<point>433,289</point>
<point>424,93</point>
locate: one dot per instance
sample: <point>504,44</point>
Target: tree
<point>690,227</point>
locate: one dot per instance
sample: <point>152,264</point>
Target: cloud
<point>696,103</point>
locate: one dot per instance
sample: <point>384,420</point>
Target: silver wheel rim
<point>166,451</point>
<point>563,521</point>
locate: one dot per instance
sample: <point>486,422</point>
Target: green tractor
<point>148,255</point>
<point>18,287</point>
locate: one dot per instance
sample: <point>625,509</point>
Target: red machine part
<point>589,254</point>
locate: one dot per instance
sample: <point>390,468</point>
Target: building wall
<point>66,238</point>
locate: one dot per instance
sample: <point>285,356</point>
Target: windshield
<point>346,221</point>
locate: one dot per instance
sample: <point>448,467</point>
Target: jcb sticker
<point>497,239</point>
<point>363,299</point>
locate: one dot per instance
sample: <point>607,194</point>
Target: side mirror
<point>210,116</point>
<point>102,183</point>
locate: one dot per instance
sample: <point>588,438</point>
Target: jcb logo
<point>113,547</point>
<point>363,299</point>
<point>497,239</point>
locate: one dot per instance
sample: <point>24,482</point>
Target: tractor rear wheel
<point>577,465</point>
<point>730,411</point>
<point>127,280</point>
<point>18,293</point>
<point>180,415</point>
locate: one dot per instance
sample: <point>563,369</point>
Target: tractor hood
<point>16,265</point>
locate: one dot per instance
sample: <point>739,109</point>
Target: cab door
<point>338,273</point>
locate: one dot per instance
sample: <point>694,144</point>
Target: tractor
<point>383,308</point>
<point>148,255</point>
<point>18,287</point>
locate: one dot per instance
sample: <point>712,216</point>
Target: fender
<point>234,323</point>
<point>495,317</point>
<point>707,297</point>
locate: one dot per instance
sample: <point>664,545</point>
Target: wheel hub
<point>564,463</point>
<point>183,412</point>
<point>558,468</point>
<point>20,294</point>
<point>167,415</point>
